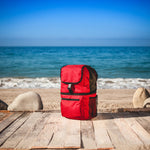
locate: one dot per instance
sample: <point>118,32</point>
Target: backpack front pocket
<point>71,107</point>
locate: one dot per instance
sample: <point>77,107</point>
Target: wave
<point>123,83</point>
<point>102,83</point>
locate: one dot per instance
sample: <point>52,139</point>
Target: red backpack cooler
<point>78,92</point>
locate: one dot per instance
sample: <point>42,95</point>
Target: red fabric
<point>83,109</point>
<point>71,73</point>
<point>74,106</point>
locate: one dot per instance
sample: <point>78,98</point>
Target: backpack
<point>78,92</point>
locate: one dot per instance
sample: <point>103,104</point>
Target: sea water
<point>39,67</point>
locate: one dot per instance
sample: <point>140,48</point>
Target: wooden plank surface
<point>28,141</point>
<point>4,114</point>
<point>102,138</point>
<point>47,133</point>
<point>72,133</point>
<point>133,141</point>
<point>140,131</point>
<point>59,132</point>
<point>5,123</point>
<point>57,140</point>
<point>12,128</point>
<point>116,136</point>
<point>144,121</point>
<point>131,118</point>
<point>87,135</point>
<point>39,130</point>
<point>134,110</point>
<point>66,134</point>
<point>15,138</point>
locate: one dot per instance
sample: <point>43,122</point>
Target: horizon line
<point>73,46</point>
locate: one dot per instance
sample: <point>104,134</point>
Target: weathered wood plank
<point>116,136</point>
<point>15,138</point>
<point>134,110</point>
<point>28,141</point>
<point>87,135</point>
<point>66,133</point>
<point>57,140</point>
<point>45,136</point>
<point>145,115</point>
<point>5,123</point>
<point>140,131</point>
<point>12,128</point>
<point>43,148</point>
<point>144,121</point>
<point>72,133</point>
<point>102,138</point>
<point>59,132</point>
<point>50,131</point>
<point>6,149</point>
<point>133,142</point>
<point>4,114</point>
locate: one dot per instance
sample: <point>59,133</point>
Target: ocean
<point>39,67</point>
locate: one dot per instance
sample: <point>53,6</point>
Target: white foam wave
<point>29,83</point>
<point>103,83</point>
<point>121,83</point>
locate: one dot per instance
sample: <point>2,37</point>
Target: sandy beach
<point>108,99</point>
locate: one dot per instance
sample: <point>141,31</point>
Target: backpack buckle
<point>69,88</point>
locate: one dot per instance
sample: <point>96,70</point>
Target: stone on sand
<point>146,103</point>
<point>3,105</point>
<point>29,101</point>
<point>140,95</point>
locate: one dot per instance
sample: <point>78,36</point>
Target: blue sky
<point>74,22</point>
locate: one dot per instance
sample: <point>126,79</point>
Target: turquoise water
<point>109,62</point>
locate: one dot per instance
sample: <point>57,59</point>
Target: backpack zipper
<point>70,99</point>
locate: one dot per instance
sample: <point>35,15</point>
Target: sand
<point>108,99</point>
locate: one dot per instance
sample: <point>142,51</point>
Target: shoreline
<point>48,82</point>
<point>108,99</point>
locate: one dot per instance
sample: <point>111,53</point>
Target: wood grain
<point>58,137</point>
<point>140,131</point>
<point>116,136</point>
<point>133,141</point>
<point>15,138</point>
<point>46,134</point>
<point>87,134</point>
<point>49,130</point>
<point>12,128</point>
<point>28,140</point>
<point>102,138</point>
<point>72,133</point>
<point>5,123</point>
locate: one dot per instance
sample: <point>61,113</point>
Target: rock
<point>3,105</point>
<point>140,95</point>
<point>146,103</point>
<point>29,101</point>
